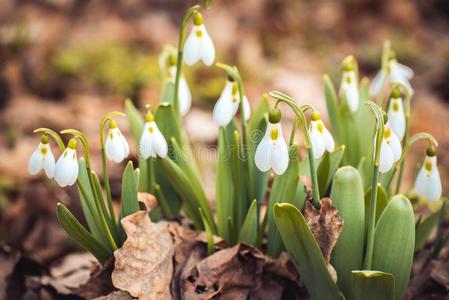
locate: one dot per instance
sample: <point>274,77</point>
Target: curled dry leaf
<point>231,273</point>
<point>325,224</point>
<point>307,186</point>
<point>99,283</point>
<point>283,267</point>
<point>143,266</point>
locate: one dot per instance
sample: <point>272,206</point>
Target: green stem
<point>53,134</point>
<point>181,42</point>
<point>83,140</point>
<point>405,141</point>
<point>105,166</point>
<point>302,120</point>
<point>293,133</point>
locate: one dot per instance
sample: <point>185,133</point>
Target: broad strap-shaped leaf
<point>382,201</point>
<point>372,285</point>
<point>209,233</point>
<point>327,167</point>
<point>347,197</point>
<point>305,252</point>
<point>283,190</point>
<point>80,235</point>
<point>129,203</point>
<point>332,109</point>
<point>223,187</point>
<point>168,123</point>
<point>248,232</point>
<point>394,242</point>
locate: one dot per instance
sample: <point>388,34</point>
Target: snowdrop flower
<point>394,73</point>
<point>199,45</point>
<point>349,85</point>
<point>116,146</point>
<point>152,142</point>
<point>428,182</point>
<point>390,149</point>
<point>396,115</point>
<point>42,158</point>
<point>228,104</point>
<point>272,151</point>
<point>66,170</point>
<point>320,137</point>
<point>184,95</point>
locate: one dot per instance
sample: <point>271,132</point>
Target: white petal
<point>397,118</point>
<point>397,76</point>
<point>49,163</point>
<point>66,168</point>
<point>395,146</point>
<point>159,143</point>
<point>428,184</point>
<point>35,162</point>
<point>279,156</point>
<point>263,154</point>
<point>145,144</point>
<point>207,49</point>
<point>246,108</point>
<point>317,140</point>
<point>184,96</point>
<point>192,48</point>
<point>377,83</point>
<point>386,158</point>
<point>124,145</point>
<point>224,109</point>
<point>328,140</point>
<point>405,71</point>
<point>114,146</point>
<point>350,90</point>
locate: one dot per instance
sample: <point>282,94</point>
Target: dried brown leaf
<point>325,224</point>
<point>99,283</point>
<point>283,267</point>
<point>143,266</point>
<point>8,260</point>
<point>231,273</point>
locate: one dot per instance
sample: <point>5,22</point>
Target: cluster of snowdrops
<point>363,158</point>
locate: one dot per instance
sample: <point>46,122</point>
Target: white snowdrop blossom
<point>428,181</point>
<point>396,114</point>
<point>320,137</point>
<point>390,149</point>
<point>395,73</point>
<point>199,45</point>
<point>42,158</point>
<point>272,151</point>
<point>152,142</point>
<point>116,146</point>
<point>349,88</point>
<point>228,104</point>
<point>66,170</point>
<point>184,94</point>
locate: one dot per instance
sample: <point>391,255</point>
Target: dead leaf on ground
<point>99,283</point>
<point>72,272</point>
<point>325,224</point>
<point>230,273</point>
<point>8,261</point>
<point>143,266</point>
<point>283,267</point>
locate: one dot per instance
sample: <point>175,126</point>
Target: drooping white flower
<point>199,45</point>
<point>394,73</point>
<point>428,181</point>
<point>66,170</point>
<point>390,149</point>
<point>184,95</point>
<point>116,146</point>
<point>152,142</point>
<point>272,151</point>
<point>228,104</point>
<point>42,158</point>
<point>349,88</point>
<point>396,114</point>
<point>320,137</point>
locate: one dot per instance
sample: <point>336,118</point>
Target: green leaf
<point>88,205</point>
<point>347,197</point>
<point>183,187</point>
<point>135,120</point>
<point>80,235</point>
<point>372,285</point>
<point>129,203</point>
<point>394,242</point>
<point>248,232</point>
<point>283,191</point>
<point>163,202</point>
<point>223,187</point>
<point>305,252</point>
<point>424,229</point>
<point>382,201</point>
<point>332,109</point>
<point>209,233</point>
<point>168,92</point>
<point>168,122</point>
<point>350,132</point>
<point>327,167</point>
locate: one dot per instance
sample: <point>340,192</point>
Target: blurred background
<point>65,63</point>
